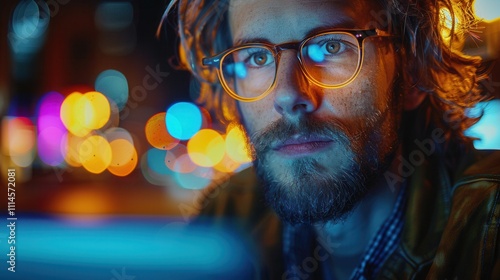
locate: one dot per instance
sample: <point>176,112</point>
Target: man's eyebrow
<point>341,23</point>
<point>243,41</point>
<point>347,24</point>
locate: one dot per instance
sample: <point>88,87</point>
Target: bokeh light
<point>95,154</point>
<point>200,178</point>
<point>82,113</point>
<point>124,157</point>
<point>115,133</point>
<point>18,136</point>
<point>114,85</point>
<point>28,27</point>
<point>70,149</point>
<point>157,134</point>
<point>183,120</point>
<point>486,129</point>
<point>206,148</point>
<point>227,165</point>
<point>182,164</point>
<point>152,159</point>
<point>178,160</point>
<point>51,130</point>
<point>156,161</point>
<point>488,10</point>
<point>94,110</point>
<point>49,145</point>
<point>71,115</point>
<point>18,140</point>
<point>236,145</point>
<point>49,109</point>
<point>172,156</point>
<point>114,15</point>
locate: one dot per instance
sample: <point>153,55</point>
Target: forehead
<point>287,20</point>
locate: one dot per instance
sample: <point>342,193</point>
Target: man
<point>355,115</point>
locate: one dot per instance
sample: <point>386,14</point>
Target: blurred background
<point>87,90</point>
<point>110,151</point>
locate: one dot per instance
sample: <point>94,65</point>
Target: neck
<point>352,235</point>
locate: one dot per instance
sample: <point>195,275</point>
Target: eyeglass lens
<point>330,59</point>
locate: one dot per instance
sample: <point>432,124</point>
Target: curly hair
<point>430,61</point>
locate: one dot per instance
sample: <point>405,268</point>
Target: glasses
<point>330,59</point>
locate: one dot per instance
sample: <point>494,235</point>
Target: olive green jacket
<point>451,228</point>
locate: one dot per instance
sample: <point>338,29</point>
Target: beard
<point>307,190</point>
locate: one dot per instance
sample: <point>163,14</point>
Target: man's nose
<point>293,94</point>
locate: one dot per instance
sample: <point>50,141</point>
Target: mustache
<point>282,129</point>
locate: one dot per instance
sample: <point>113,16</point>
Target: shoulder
<point>471,237</point>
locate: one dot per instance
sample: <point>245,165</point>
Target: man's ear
<point>413,98</point>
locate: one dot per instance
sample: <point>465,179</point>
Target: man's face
<point>318,151</point>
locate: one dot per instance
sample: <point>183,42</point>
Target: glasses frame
<point>359,34</point>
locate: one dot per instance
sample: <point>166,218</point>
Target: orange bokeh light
<point>124,157</point>
<point>157,133</point>
<point>95,154</point>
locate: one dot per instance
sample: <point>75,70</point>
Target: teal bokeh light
<point>113,84</point>
<point>183,120</point>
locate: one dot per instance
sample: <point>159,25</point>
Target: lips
<point>303,144</point>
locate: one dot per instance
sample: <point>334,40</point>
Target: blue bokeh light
<point>241,70</point>
<point>314,52</point>
<point>156,161</point>
<point>488,127</point>
<point>200,178</point>
<point>183,120</point>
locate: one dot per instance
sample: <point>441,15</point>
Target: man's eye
<point>333,47</point>
<point>260,59</point>
<point>326,50</point>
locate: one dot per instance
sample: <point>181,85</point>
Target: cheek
<point>355,102</point>
<point>372,89</point>
<point>256,115</point>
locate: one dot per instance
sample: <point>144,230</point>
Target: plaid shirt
<point>299,243</point>
<point>384,242</point>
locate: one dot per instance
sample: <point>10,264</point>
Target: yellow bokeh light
<point>206,148</point>
<point>93,109</point>
<point>82,113</point>
<point>70,148</point>
<point>227,164</point>
<point>236,145</point>
<point>71,115</point>
<point>95,154</point>
<point>157,133</point>
<point>124,157</point>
